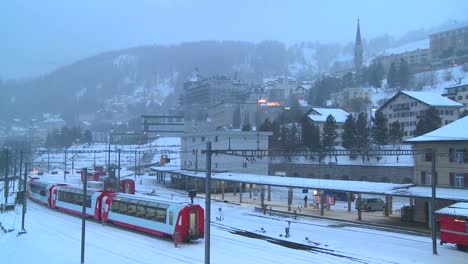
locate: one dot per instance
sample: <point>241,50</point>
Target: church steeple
<point>358,50</point>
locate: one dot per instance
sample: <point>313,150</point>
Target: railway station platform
<point>338,212</point>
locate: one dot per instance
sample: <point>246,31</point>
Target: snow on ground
<point>54,237</point>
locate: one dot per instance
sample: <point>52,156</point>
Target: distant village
<point>392,102</point>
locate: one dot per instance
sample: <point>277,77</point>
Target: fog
<point>39,36</point>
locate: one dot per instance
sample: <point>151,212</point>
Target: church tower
<point>358,51</point>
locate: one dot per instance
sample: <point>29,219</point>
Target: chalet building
<point>192,145</point>
<point>458,93</point>
<point>407,107</point>
<point>450,145</point>
<point>319,116</point>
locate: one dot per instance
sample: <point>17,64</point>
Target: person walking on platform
<point>305,201</point>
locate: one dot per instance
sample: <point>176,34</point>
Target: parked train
<point>453,224</point>
<point>180,221</point>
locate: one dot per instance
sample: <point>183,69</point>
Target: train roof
<point>150,198</point>
<point>457,209</point>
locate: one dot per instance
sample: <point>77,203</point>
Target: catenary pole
<point>433,204</point>
<point>207,202</point>
<point>24,196</point>
<point>84,172</point>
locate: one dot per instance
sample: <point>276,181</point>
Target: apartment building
<point>449,43</point>
<point>458,93</point>
<point>450,145</point>
<point>407,107</point>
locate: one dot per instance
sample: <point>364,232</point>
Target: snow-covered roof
<point>340,115</point>
<point>455,131</point>
<point>432,99</point>
<point>421,44</point>
<point>457,209</point>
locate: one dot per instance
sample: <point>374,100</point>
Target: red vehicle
<point>454,225</point>
<point>180,221</point>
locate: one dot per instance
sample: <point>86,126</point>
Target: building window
<point>459,180</point>
<point>203,139</point>
<point>216,138</point>
<point>460,155</point>
<point>460,97</point>
<point>423,178</point>
<point>244,165</point>
<point>216,165</point>
<point>428,155</point>
<point>193,139</point>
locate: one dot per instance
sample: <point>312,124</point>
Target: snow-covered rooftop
<point>454,131</point>
<point>421,44</point>
<point>432,99</point>
<point>340,115</point>
<point>457,209</point>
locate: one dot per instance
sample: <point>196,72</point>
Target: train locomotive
<point>180,221</point>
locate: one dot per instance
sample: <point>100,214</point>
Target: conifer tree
<point>362,132</point>
<point>395,132</point>
<point>380,129</point>
<point>392,76</point>
<point>349,133</point>
<point>429,122</point>
<point>329,133</point>
<point>403,74</point>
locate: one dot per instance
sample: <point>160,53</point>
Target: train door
<point>193,223</point>
<point>53,200</point>
<point>127,187</point>
<point>104,209</point>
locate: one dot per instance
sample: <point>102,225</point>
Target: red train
<point>453,225</point>
<point>179,221</point>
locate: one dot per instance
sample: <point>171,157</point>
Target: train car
<point>70,200</point>
<point>453,225</point>
<point>180,221</point>
<point>40,191</point>
<point>127,186</point>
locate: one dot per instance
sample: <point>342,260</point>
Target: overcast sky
<point>39,36</point>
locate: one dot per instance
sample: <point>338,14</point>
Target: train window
<point>140,211</point>
<point>131,209</point>
<point>115,206</point>
<point>123,208</point>
<point>160,215</point>
<point>150,204</point>
<point>171,218</point>
<point>144,203</point>
<point>42,192</point>
<point>150,213</point>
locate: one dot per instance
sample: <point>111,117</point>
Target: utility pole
<point>135,164</point>
<point>14,170</point>
<point>65,167</point>
<point>433,204</point>
<point>84,172</point>
<point>20,169</point>
<point>207,202</point>
<point>118,162</point>
<point>48,161</point>
<point>196,161</point>
<point>6,177</point>
<point>24,196</point>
